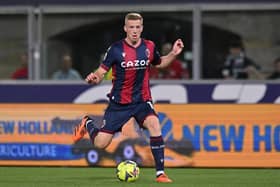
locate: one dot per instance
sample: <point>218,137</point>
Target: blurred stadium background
<point>85,29</point>
<point>207,121</point>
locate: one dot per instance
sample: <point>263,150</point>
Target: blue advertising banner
<point>161,93</point>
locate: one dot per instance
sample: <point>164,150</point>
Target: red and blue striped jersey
<point>130,70</point>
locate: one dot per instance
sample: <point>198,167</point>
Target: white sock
<point>159,173</point>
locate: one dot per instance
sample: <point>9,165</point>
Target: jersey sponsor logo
<point>135,64</point>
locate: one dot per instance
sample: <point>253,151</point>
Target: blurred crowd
<point>237,65</point>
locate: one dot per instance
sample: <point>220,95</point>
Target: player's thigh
<point>115,117</point>
<point>102,140</point>
<point>151,122</point>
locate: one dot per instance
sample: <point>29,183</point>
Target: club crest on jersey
<point>148,53</point>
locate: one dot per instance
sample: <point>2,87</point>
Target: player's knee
<point>154,129</point>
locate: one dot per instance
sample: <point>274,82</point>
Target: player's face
<point>133,29</point>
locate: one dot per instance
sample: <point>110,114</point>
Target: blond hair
<point>133,16</point>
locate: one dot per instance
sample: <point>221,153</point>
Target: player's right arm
<point>97,76</point>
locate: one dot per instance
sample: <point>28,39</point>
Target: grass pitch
<point>105,177</point>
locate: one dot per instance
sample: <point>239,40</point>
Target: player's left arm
<point>176,50</point>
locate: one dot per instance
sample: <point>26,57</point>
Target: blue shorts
<point>116,115</point>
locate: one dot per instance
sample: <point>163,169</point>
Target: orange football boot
<point>80,130</point>
<point>163,178</point>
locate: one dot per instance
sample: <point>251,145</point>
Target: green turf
<point>105,177</point>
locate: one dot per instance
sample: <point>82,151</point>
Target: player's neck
<point>133,43</point>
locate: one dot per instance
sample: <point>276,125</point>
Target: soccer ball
<point>128,171</point>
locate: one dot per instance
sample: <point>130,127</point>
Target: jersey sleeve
<point>108,60</point>
<point>157,59</point>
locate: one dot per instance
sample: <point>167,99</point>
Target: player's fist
<point>92,78</point>
<point>177,47</point>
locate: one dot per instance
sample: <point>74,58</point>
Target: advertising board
<point>195,135</point>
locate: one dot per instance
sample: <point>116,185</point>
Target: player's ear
<point>124,28</point>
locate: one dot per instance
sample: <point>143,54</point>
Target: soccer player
<point>130,96</point>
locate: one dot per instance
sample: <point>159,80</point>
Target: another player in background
<point>130,59</point>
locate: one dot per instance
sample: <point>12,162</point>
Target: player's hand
<point>92,78</point>
<point>177,47</point>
